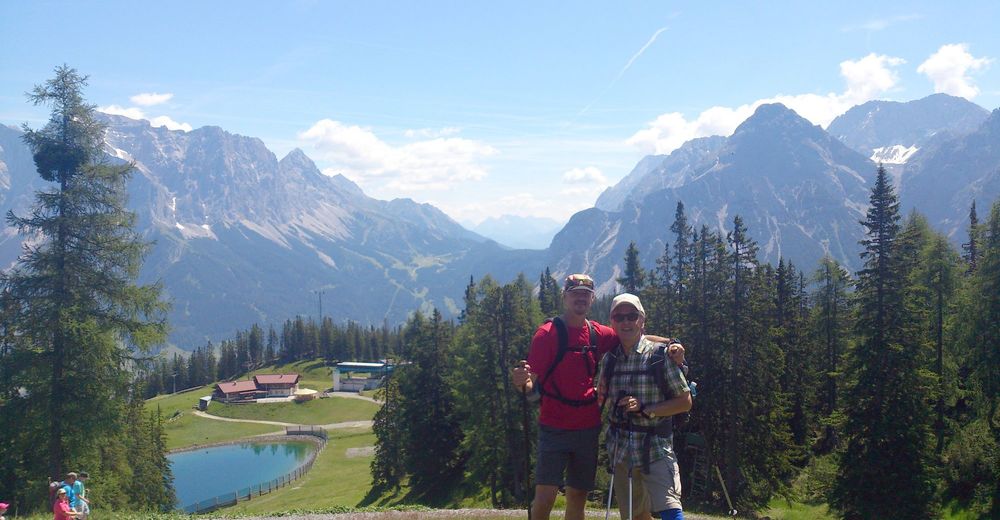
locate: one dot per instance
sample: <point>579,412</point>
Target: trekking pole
<point>611,486</point>
<point>628,422</point>
<point>527,451</point>
<point>725,492</point>
<point>614,463</point>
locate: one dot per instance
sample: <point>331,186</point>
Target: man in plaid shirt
<point>639,435</point>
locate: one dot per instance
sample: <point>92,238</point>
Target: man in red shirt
<point>570,417</point>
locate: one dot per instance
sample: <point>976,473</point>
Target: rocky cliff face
<point>241,237</point>
<point>244,237</point>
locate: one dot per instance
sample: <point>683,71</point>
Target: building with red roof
<point>264,385</point>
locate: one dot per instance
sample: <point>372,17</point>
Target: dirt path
<point>476,514</point>
<point>331,426</point>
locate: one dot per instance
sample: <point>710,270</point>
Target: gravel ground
<point>469,514</point>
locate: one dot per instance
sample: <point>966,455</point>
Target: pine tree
<point>633,278</point>
<point>971,248</point>
<point>387,472</point>
<point>885,471</point>
<point>681,270</point>
<point>78,307</point>
<point>934,284</point>
<point>831,320</point>
<point>431,436</point>
<point>982,342</point>
<point>549,295</point>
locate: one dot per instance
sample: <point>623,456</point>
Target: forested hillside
<point>876,392</point>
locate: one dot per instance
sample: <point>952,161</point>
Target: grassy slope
<point>335,479</point>
<point>185,429</point>
<point>317,411</point>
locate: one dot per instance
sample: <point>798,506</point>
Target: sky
<point>491,108</point>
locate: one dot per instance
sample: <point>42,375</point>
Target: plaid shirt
<point>632,377</point>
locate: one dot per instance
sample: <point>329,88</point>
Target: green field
<point>317,411</point>
<point>336,479</point>
<point>339,479</point>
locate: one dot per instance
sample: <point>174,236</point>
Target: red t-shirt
<point>61,510</point>
<point>571,376</point>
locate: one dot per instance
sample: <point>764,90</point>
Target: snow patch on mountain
<point>721,217</point>
<point>895,154</point>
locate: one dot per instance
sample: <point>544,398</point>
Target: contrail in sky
<point>636,55</point>
<point>622,72</point>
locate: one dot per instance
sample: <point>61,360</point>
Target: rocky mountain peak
<point>775,118</point>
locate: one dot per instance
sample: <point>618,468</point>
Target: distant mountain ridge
<point>244,237</point>
<point>801,190</point>
<point>519,232</point>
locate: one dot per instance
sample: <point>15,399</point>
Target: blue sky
<point>490,108</point>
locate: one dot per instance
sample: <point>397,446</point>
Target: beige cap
<point>630,299</point>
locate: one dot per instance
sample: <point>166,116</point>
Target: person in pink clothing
<point>61,509</point>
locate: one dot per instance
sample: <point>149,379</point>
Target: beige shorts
<point>653,492</point>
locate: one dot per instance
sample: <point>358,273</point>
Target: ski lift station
<point>353,376</point>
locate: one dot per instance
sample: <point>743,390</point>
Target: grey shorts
<point>571,451</point>
<point>651,493</point>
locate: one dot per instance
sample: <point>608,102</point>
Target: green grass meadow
<point>340,478</point>
<point>317,411</point>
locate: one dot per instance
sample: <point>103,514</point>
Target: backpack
<point>589,350</point>
<point>665,426</point>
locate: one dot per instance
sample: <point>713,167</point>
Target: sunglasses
<point>576,281</point>
<point>632,316</point>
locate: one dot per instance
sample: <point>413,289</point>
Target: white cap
<point>630,299</point>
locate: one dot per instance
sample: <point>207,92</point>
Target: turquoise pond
<point>209,472</point>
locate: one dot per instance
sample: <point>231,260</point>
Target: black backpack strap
<point>590,349</point>
<point>560,326</point>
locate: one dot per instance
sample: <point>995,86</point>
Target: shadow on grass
<point>319,363</point>
<point>447,494</point>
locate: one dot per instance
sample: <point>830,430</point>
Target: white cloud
<point>587,175</point>
<point>130,112</point>
<point>148,99</point>
<point>517,204</point>
<point>433,164</point>
<point>431,133</point>
<point>169,123</point>
<point>137,113</point>
<point>865,78</point>
<point>949,69</point>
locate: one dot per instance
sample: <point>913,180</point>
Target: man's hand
<point>521,374</point>
<point>676,353</point>
<point>630,404</point>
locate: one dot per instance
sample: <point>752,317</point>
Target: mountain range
<point>242,236</point>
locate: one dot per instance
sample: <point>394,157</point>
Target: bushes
<point>972,466</point>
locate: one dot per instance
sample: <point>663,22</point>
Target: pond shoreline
<point>267,437</point>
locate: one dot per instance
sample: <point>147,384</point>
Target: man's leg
<point>640,498</point>
<point>581,471</point>
<point>545,498</point>
<point>576,501</point>
<point>664,485</point>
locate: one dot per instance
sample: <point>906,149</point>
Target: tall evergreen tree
<point>431,436</point>
<point>633,278</point>
<point>971,248</point>
<point>549,295</point>
<point>831,319</point>
<point>887,427</point>
<point>982,341</point>
<point>78,308</point>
